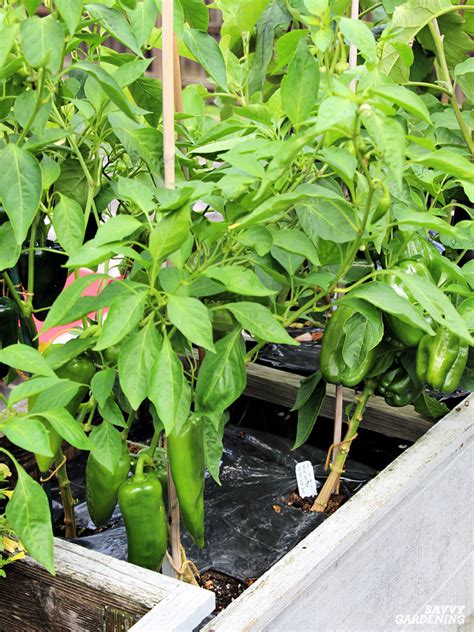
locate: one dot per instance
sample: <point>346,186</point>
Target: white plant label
<point>305,479</point>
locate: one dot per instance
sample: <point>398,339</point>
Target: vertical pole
<point>169,152</point>
<point>168,94</point>
<point>338,413</point>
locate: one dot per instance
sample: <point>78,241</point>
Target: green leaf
<point>54,397</point>
<point>108,85</point>
<point>57,315</point>
<point>107,445</point>
<point>102,384</point>
<point>430,407</point>
<point>29,434</point>
<point>328,218</point>
<point>59,354</point>
<point>386,299</point>
<point>142,20</point>
<point>90,255</point>
<point>297,242</point>
<point>342,162</point>
<point>25,358</point>
<point>68,428</point>
<point>116,229</point>
<point>279,204</point>
<point>196,14</point>
<point>309,407</point>
<point>31,5</point>
<point>42,41</point>
<point>206,50</point>
<point>147,93</point>
<point>213,446</point>
<point>10,249</point>
<point>50,171</point>
<point>238,280</point>
<point>406,99</point>
<point>20,188</point>
<point>32,387</point>
<point>111,413</point>
<point>130,72</point>
<point>115,23</point>
<point>136,360</point>
<point>169,234</point>
<point>29,516</point>
<point>358,33</point>
<point>300,86</point>
<point>68,223</point>
<point>257,237</point>
<point>362,334</point>
<point>191,317</point>
<point>222,376</point>
<point>7,39</point>
<point>436,304</point>
<point>142,143</point>
<point>448,162</point>
<point>169,389</point>
<point>70,12</point>
<point>260,322</point>
<point>124,315</point>
<point>389,137</point>
<point>335,113</point>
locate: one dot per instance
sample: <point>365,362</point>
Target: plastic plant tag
<point>305,479</point>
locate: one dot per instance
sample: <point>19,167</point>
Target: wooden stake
<point>169,149</point>
<point>339,409</point>
<point>169,153</point>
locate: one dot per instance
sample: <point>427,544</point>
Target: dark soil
<point>295,500</point>
<point>226,588</point>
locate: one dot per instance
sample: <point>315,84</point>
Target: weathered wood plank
<point>280,387</point>
<point>92,592</point>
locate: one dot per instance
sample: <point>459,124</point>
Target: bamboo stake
<point>169,153</point>
<point>338,413</point>
<point>169,148</point>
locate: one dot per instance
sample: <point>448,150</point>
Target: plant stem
<point>337,468</point>
<point>66,498</point>
<point>444,70</point>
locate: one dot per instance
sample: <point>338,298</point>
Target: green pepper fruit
<point>102,486</point>
<point>82,370</point>
<point>408,335</point>
<point>441,360</point>
<point>8,327</point>
<point>398,387</point>
<point>111,354</point>
<point>141,502</point>
<point>383,205</point>
<point>186,459</point>
<point>49,276</point>
<point>333,366</point>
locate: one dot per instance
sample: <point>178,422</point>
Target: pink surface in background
<point>55,331</point>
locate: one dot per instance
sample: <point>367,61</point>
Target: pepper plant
<point>295,195</point>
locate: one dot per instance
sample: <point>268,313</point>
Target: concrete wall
<point>397,552</point>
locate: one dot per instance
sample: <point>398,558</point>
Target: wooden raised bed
<point>390,549</point>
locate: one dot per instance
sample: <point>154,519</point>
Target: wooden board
<point>280,387</point>
<point>93,592</point>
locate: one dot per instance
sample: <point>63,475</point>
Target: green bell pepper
<point>141,502</point>
<point>441,360</point>
<point>8,327</point>
<point>408,335</point>
<point>186,459</point>
<point>333,366</point>
<point>82,370</point>
<point>398,387</point>
<point>102,486</point>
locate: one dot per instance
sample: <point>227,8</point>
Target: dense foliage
<point>301,184</point>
